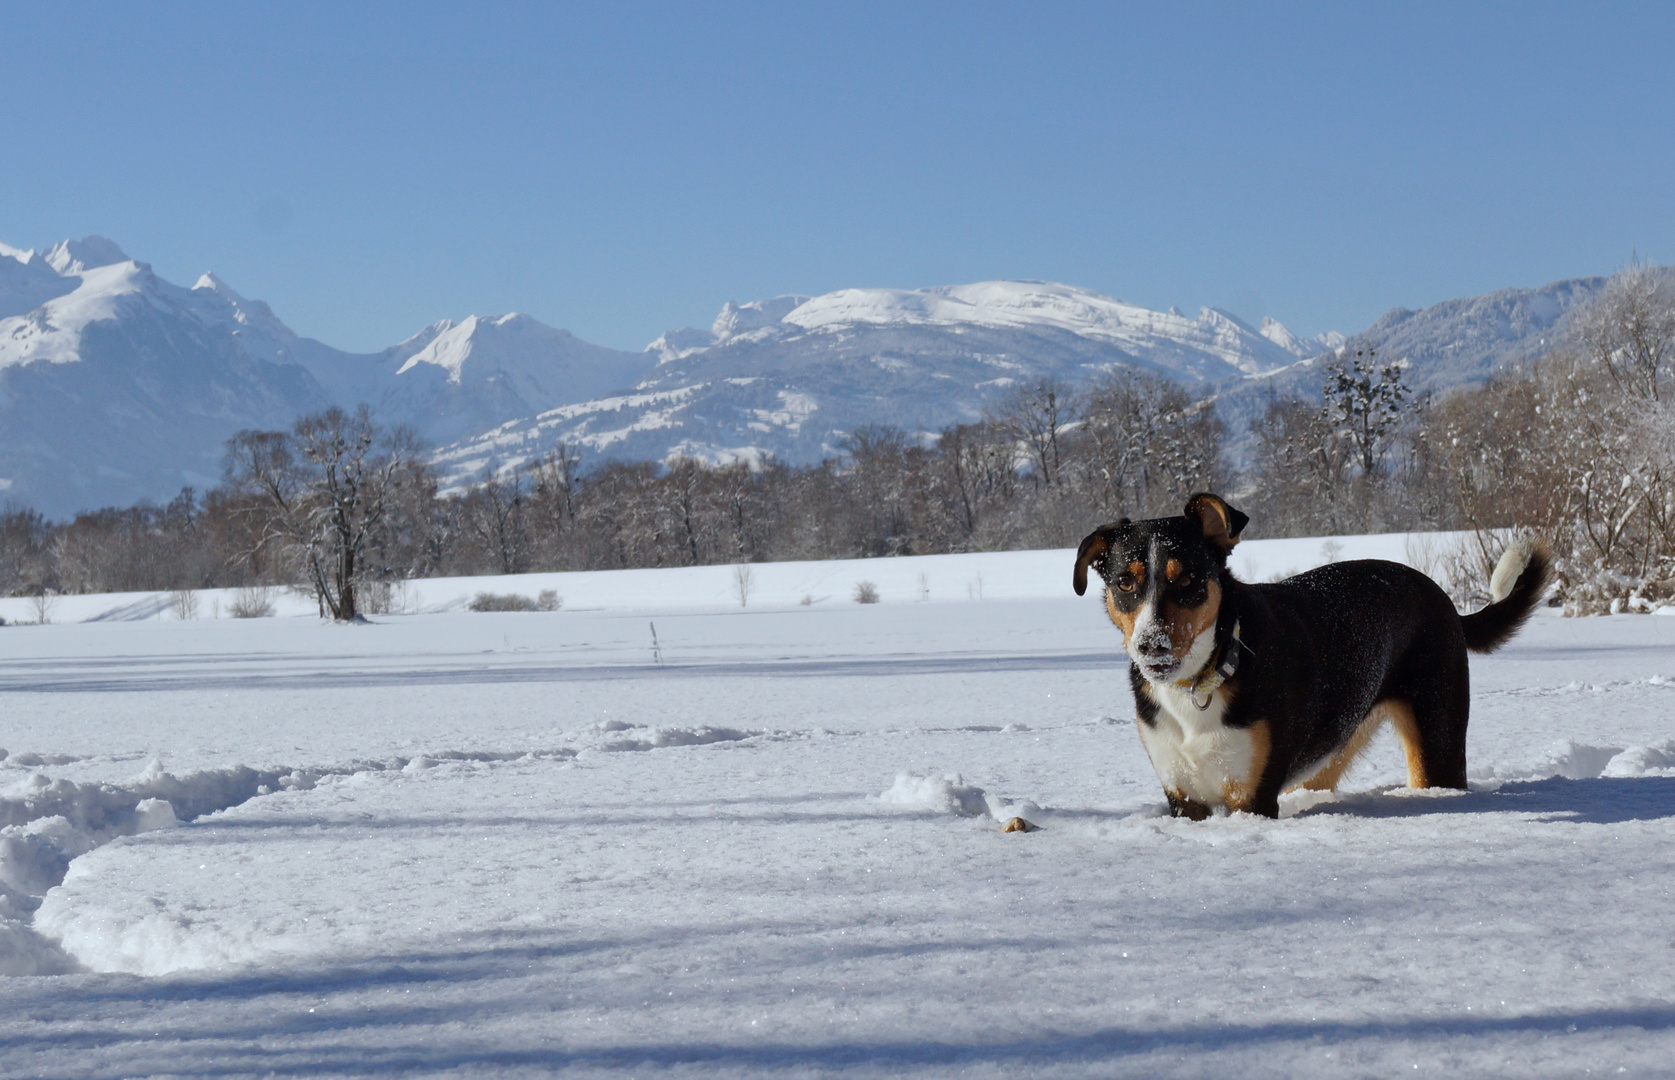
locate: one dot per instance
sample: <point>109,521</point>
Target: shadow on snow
<point>1598,801</point>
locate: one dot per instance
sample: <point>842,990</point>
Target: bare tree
<point>982,471</point>
<point>326,490</point>
<point>879,488</point>
<point>496,516</point>
<point>25,557</point>
<point>1143,441</point>
<point>1035,416</point>
<point>555,484</point>
<point>1304,469</point>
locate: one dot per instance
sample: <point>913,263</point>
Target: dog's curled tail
<point>1518,583</point>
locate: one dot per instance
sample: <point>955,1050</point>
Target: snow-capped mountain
<point>1161,339</point>
<point>116,385</point>
<point>449,380</point>
<point>793,374</point>
<point>452,380</point>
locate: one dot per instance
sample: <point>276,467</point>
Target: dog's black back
<point>1331,643</point>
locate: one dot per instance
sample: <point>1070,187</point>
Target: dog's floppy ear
<point>1095,546</point>
<point>1221,523</point>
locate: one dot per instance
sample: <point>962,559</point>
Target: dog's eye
<point>1126,582</point>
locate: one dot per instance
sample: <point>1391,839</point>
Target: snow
<point>52,331</point>
<point>27,282</point>
<point>517,441</point>
<point>679,344</point>
<point>542,364</point>
<point>738,319</point>
<point>86,281</point>
<point>259,330</point>
<point>676,836</point>
<point>78,256</point>
<point>1013,305</point>
<point>990,575</point>
<point>449,346</point>
<point>1030,304</point>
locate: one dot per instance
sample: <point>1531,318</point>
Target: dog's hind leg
<point>1327,776</point>
<point>1432,728</point>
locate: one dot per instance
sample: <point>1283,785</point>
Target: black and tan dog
<point>1244,691</point>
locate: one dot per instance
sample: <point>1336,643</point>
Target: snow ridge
<point>46,824</point>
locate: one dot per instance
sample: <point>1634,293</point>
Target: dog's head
<point>1163,583</point>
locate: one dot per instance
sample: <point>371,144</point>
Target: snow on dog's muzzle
<point>1152,646</point>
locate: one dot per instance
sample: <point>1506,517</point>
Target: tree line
<point>1578,446</point>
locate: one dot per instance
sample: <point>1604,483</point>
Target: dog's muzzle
<point>1155,653</point>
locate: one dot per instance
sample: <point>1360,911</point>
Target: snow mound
<point>946,793</point>
<point>650,738</point>
<point>1572,760</point>
<point>158,942</point>
<point>1656,760</point>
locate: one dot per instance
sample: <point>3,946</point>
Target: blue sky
<point>621,169</point>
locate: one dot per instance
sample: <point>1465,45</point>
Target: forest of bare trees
<point>1579,447</point>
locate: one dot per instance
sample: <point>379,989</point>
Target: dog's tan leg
<point>1401,715</point>
<point>1327,776</point>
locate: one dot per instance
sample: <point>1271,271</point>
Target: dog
<point>1243,691</point>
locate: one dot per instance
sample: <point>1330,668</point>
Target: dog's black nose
<point>1154,648</point>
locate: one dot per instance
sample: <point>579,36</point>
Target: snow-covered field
<point>766,840</point>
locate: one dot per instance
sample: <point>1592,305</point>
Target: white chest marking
<point>1198,756</point>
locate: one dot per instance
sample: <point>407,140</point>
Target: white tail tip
<point>1510,568</point>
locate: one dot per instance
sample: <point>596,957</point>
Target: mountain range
<point>116,385</point>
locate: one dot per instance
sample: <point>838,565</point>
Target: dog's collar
<point>1222,666</point>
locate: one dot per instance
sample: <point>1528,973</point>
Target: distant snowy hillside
<point>1164,339</point>
<point>1454,343</point>
<point>790,376</point>
<point>116,385</point>
<point>1467,340</point>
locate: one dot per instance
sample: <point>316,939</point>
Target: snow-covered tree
<point>1365,403</point>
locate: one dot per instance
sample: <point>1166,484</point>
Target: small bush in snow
<point>374,598</point>
<point>548,600</point>
<point>251,603</point>
<point>184,603</point>
<point>488,601</point>
<point>866,592</point>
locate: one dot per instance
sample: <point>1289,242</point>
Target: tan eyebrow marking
<point>1138,569</point>
<point>1172,569</point>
